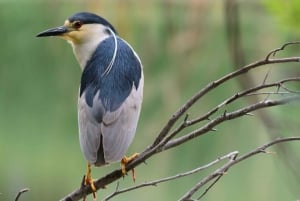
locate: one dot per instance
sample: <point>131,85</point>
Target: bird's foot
<point>89,181</point>
<point>125,160</point>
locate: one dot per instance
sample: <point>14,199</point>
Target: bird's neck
<point>84,51</point>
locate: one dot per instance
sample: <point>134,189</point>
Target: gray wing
<point>108,141</point>
<point>118,128</point>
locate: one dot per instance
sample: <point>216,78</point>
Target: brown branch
<point>266,61</point>
<point>228,116</point>
<point>248,92</point>
<point>20,193</point>
<point>220,171</point>
<point>164,139</point>
<point>177,176</point>
<point>236,53</point>
<point>273,52</point>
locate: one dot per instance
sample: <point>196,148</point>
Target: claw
<point>125,160</point>
<point>89,181</point>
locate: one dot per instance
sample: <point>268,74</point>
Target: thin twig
<point>210,186</point>
<point>273,52</point>
<point>164,132</point>
<point>20,193</point>
<point>228,116</point>
<point>244,93</point>
<point>184,174</point>
<point>225,167</point>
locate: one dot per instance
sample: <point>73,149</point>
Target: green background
<point>183,46</point>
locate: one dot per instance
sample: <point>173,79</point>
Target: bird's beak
<point>57,31</point>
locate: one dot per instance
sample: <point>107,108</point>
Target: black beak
<point>57,31</point>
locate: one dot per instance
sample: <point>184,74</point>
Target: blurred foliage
<point>183,47</point>
<point>287,14</point>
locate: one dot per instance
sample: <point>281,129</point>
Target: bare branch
<point>228,116</point>
<point>236,52</point>
<point>266,61</point>
<point>164,139</point>
<point>184,174</point>
<point>21,192</point>
<point>247,93</point>
<point>273,52</point>
<point>210,186</point>
<point>220,171</point>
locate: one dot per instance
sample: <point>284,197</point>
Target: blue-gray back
<point>115,86</point>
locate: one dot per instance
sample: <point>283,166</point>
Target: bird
<point>110,92</point>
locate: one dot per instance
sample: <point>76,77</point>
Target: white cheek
<point>86,40</point>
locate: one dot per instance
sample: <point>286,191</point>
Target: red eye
<point>77,24</point>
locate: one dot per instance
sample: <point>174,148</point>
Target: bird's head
<point>81,28</point>
<point>84,31</point>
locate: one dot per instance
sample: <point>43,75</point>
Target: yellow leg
<point>89,180</point>
<point>125,160</point>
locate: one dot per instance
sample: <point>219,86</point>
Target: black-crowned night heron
<point>111,89</point>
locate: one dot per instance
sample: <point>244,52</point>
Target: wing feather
<point>118,134</point>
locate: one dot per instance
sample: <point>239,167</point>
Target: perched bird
<point>111,89</point>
